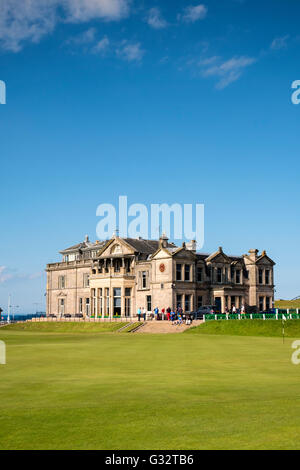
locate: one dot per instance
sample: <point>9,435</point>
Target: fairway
<point>108,390</point>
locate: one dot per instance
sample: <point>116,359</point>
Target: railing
<point>295,315</point>
<point>86,320</point>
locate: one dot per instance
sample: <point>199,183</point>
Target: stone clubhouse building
<point>116,277</point>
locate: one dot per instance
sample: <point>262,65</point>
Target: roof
<point>145,246</point>
<point>83,246</point>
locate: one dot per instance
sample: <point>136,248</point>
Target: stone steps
<point>165,327</point>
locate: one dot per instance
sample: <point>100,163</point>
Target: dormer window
<point>116,249</point>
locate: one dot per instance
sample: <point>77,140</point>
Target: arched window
<point>116,249</point>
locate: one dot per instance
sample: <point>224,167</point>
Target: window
<point>127,264</point>
<point>100,312</point>
<point>116,249</point>
<point>117,265</point>
<point>261,304</point>
<point>219,275</point>
<point>187,272</point>
<point>199,301</point>
<point>87,306</point>
<point>117,301</point>
<point>127,301</point>
<point>62,282</point>
<point>268,303</point>
<point>260,276</point>
<point>199,274</point>
<point>178,272</point>
<point>94,302</point>
<point>179,300</point>
<point>144,279</point>
<point>232,273</point>
<point>62,306</point>
<point>127,306</point>
<point>238,276</point>
<point>80,305</point>
<point>86,280</point>
<point>149,303</point>
<point>187,303</point>
<point>267,276</point>
<point>107,300</point>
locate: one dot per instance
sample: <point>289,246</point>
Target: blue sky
<point>162,101</point>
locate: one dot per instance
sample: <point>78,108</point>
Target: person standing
<point>144,313</point>
<point>168,313</point>
<point>156,313</point>
<point>139,313</point>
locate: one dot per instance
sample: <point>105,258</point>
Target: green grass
<point>179,391</point>
<point>287,304</point>
<point>65,327</point>
<point>248,328</point>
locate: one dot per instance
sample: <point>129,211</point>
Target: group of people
<point>176,316</point>
<point>233,310</point>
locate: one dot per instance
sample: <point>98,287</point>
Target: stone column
<point>123,301</point>
<point>96,300</point>
<point>223,304</point>
<point>111,302</point>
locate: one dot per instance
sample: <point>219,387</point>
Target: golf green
<point>104,390</point>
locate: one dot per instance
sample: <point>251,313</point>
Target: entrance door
<point>127,306</point>
<point>62,306</point>
<point>218,303</point>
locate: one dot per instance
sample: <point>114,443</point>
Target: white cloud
<point>280,42</point>
<point>86,10</point>
<point>227,71</point>
<point>132,52</point>
<point>155,19</point>
<point>30,20</point>
<point>101,45</point>
<point>5,275</point>
<point>193,13</point>
<point>85,37</point>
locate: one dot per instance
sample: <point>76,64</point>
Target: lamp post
<point>10,307</point>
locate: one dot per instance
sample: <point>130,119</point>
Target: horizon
<point>164,102</point>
